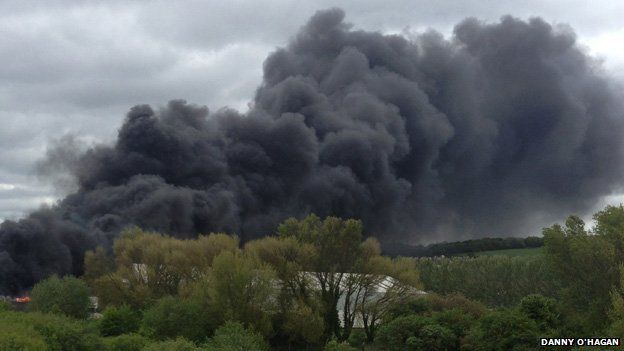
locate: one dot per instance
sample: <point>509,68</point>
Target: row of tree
<point>315,285</point>
<point>466,247</point>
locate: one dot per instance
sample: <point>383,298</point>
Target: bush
<point>334,345</point>
<point>179,344</point>
<point>415,333</point>
<point>501,331</point>
<point>58,333</point>
<point>232,336</point>
<point>69,296</point>
<point>5,306</point>
<point>119,320</point>
<point>542,310</point>
<point>20,339</point>
<point>357,338</point>
<point>69,337</point>
<point>174,317</point>
<point>126,342</point>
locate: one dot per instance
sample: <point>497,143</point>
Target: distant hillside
<point>461,247</point>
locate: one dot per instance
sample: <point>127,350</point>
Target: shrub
<point>19,339</point>
<point>179,344</point>
<point>69,296</point>
<point>232,336</point>
<point>357,338</point>
<point>5,306</point>
<point>119,320</point>
<point>415,333</point>
<point>501,331</point>
<point>58,333</point>
<point>174,317</point>
<point>126,342</point>
<point>334,345</point>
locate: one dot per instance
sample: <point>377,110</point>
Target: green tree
<point>543,310</point>
<point>119,320</point>
<point>587,266</point>
<point>126,342</point>
<point>18,338</point>
<point>149,266</point>
<point>303,324</point>
<point>68,295</point>
<point>233,336</point>
<point>415,332</point>
<point>335,345</point>
<point>97,263</point>
<point>179,344</point>
<point>57,332</point>
<point>503,330</point>
<point>242,289</point>
<point>173,317</point>
<point>338,249</point>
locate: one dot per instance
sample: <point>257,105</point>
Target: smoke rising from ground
<point>421,138</point>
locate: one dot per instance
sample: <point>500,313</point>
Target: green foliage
<point>5,306</point>
<point>20,338</point>
<point>68,295</point>
<point>503,330</point>
<point>149,266</point>
<point>334,345</point>
<point>497,281</point>
<point>587,265</point>
<point>415,333</point>
<point>233,336</point>
<point>97,263</point>
<point>173,317</point>
<point>179,344</point>
<point>543,310</point>
<point>357,338</point>
<point>524,252</point>
<point>56,332</point>
<point>119,320</point>
<point>302,323</point>
<point>126,342</point>
<point>454,301</point>
<point>241,289</point>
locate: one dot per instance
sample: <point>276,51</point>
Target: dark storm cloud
<point>420,138</point>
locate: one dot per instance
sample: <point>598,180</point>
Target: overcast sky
<point>76,67</point>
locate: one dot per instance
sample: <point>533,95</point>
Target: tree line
<point>465,247</point>
<point>314,286</point>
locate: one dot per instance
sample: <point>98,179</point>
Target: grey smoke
<point>421,138</point>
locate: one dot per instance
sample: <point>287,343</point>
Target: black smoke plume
<point>422,138</point>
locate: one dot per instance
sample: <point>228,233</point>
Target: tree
<point>542,310</point>
<point>56,332</point>
<point>303,324</point>
<point>242,289</point>
<point>119,320</point>
<point>503,330</point>
<point>335,345</point>
<point>97,263</point>
<point>233,336</point>
<point>586,263</point>
<point>399,279</point>
<point>179,344</point>
<point>338,247</point>
<point>68,295</point>
<point>173,317</point>
<point>126,342</point>
<point>414,332</point>
<point>149,266</point>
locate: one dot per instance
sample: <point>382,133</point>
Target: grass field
<point>532,251</point>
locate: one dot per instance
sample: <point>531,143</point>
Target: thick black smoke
<point>421,138</point>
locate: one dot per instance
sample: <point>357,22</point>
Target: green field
<point>531,251</point>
